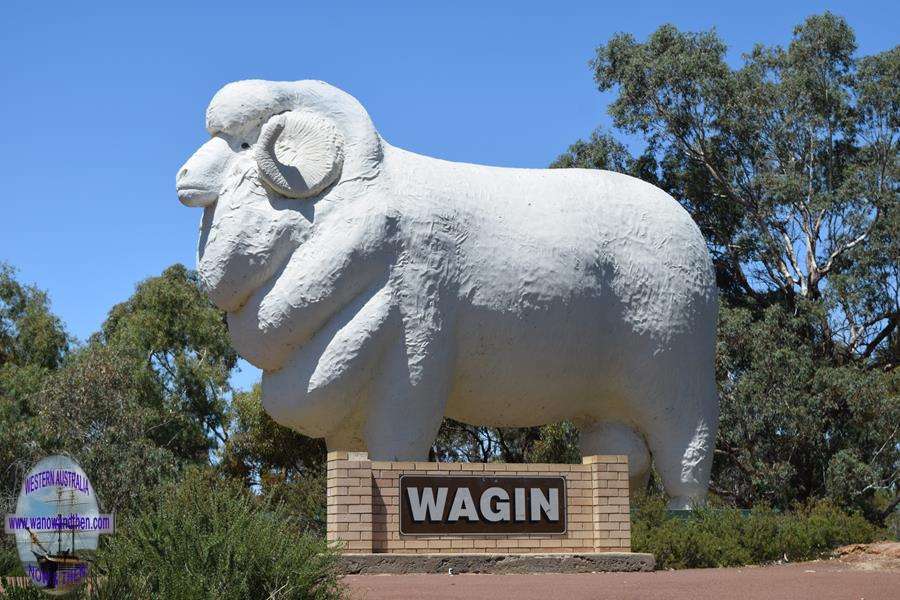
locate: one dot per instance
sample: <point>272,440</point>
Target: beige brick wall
<point>364,507</point>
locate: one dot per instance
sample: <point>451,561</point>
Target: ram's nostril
<point>182,173</point>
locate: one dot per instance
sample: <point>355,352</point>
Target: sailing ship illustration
<point>60,565</point>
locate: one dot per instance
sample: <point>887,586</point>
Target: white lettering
<point>463,506</point>
<point>502,512</point>
<point>539,503</point>
<point>427,507</point>
<point>520,504</point>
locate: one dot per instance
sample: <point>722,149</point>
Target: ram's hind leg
<point>683,437</point>
<point>617,439</point>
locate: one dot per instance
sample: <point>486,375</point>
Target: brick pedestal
<point>364,507</point>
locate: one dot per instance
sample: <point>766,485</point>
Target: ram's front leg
<point>335,266</point>
<point>323,389</point>
<point>409,392</point>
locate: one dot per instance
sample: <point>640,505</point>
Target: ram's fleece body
<point>412,288</point>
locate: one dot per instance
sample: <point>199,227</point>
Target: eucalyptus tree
<point>181,358</point>
<point>789,163</point>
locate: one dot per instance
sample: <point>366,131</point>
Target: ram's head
<point>276,149</point>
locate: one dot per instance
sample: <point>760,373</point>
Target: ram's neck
<point>441,181</point>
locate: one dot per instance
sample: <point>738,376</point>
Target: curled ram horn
<point>299,154</point>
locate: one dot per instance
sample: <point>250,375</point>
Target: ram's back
<point>528,237</point>
<point>555,271</point>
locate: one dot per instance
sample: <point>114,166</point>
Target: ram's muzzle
<point>199,180</point>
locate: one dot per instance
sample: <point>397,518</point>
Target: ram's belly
<point>533,367</point>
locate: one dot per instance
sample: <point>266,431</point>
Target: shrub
<point>24,593</point>
<point>304,498</point>
<point>208,537</point>
<point>9,558</point>
<point>725,537</point>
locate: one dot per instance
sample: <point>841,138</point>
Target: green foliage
<point>259,449</point>
<point>133,405</point>
<point>603,151</point>
<point>284,465</point>
<point>142,399</point>
<point>790,164</point>
<point>554,443</point>
<point>29,333</point>
<point>33,343</point>
<point>600,151</point>
<point>91,410</point>
<point>26,593</point>
<point>847,477</point>
<point>182,358</point>
<point>793,426</point>
<point>209,537</point>
<point>303,498</point>
<point>9,558</point>
<point>725,538</point>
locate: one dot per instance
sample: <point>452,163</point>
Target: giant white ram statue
<point>380,290</point>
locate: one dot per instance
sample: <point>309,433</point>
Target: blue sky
<point>102,102</point>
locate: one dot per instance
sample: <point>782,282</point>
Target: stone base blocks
<point>364,509</point>
<point>402,564</point>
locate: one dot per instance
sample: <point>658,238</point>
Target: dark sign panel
<point>491,505</point>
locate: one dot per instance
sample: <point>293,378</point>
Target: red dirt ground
<point>860,573</point>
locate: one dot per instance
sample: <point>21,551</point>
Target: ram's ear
<point>299,154</point>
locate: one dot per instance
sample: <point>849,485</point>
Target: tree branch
<point>861,329</point>
<point>849,245</point>
<point>791,255</point>
<point>870,347</point>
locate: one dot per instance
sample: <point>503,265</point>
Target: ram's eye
<point>245,145</point>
